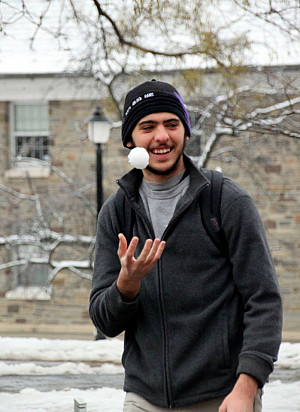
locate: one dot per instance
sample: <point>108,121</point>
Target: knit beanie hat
<point>152,97</point>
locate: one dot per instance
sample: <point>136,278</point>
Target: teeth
<point>161,151</point>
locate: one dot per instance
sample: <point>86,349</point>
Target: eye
<point>147,128</point>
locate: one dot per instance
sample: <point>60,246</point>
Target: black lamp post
<point>99,132</point>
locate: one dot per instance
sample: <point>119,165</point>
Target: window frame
<point>20,290</point>
<point>14,134</point>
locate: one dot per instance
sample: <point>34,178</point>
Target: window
<point>33,274</point>
<point>32,146</point>
<point>30,280</point>
<point>30,130</point>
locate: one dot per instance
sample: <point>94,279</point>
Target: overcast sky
<point>16,56</point>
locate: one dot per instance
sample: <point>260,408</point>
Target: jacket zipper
<point>148,225</point>
<point>165,348</point>
<point>165,362</point>
<point>169,401</point>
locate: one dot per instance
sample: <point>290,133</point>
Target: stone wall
<point>65,315</point>
<point>273,180</point>
<point>3,135</point>
<point>66,212</point>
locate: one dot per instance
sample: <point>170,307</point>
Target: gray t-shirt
<point>160,200</point>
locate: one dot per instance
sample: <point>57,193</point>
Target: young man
<point>202,327</point>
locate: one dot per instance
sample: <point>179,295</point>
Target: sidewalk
<point>77,331</point>
<point>291,336</point>
<point>81,332</point>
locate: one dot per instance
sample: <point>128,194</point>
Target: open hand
<point>133,270</point>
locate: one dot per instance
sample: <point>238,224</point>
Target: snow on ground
<point>61,350</point>
<point>278,397</point>
<point>101,351</point>
<point>289,356</point>
<point>281,397</point>
<point>32,356</point>
<point>66,368</point>
<point>30,400</point>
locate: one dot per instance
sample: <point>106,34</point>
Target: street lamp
<point>99,132</point>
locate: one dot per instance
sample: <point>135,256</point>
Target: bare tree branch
<point>279,17</point>
<point>261,120</point>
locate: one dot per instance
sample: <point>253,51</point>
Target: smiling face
<point>163,136</point>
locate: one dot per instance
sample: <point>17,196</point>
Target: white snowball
<point>138,158</point>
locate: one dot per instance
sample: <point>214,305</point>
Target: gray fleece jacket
<point>201,318</point>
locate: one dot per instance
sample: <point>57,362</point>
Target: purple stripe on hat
<point>184,109</point>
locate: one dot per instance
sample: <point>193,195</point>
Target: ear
<point>129,144</point>
<point>186,138</point>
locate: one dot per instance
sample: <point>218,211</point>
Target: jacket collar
<point>131,181</point>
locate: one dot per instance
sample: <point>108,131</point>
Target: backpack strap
<point>210,205</point>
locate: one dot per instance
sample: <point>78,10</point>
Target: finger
<point>157,250</point>
<point>223,407</point>
<point>160,250</point>
<point>122,245</point>
<point>154,249</point>
<point>132,247</point>
<point>144,255</point>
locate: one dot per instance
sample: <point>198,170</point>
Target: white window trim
<point>28,170</point>
<point>29,293</point>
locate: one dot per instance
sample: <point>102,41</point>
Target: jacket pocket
<point>127,349</point>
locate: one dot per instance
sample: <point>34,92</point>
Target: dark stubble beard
<point>171,169</point>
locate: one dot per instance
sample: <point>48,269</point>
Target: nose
<point>161,135</point>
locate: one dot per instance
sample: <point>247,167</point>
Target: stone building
<point>47,191</point>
